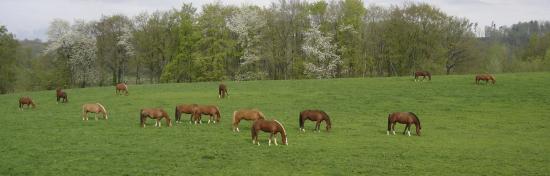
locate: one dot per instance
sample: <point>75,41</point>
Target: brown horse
<point>222,91</point>
<point>423,74</point>
<point>94,108</point>
<point>212,111</point>
<point>406,118</point>
<point>154,113</point>
<point>121,87</point>
<point>314,115</point>
<point>486,78</point>
<point>26,101</point>
<point>246,114</point>
<point>192,109</point>
<point>270,126</point>
<point>60,94</point>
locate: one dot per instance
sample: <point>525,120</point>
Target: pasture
<point>467,129</point>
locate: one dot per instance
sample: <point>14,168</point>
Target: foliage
<point>8,49</point>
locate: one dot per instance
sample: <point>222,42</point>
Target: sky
<point>29,19</point>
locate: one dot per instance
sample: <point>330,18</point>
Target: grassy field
<point>468,129</point>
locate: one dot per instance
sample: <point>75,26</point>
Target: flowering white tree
<point>323,60</point>
<point>247,23</point>
<point>78,45</point>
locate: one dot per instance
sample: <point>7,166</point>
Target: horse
<point>406,118</point>
<point>270,126</point>
<point>60,94</point>
<point>94,108</point>
<point>154,113</point>
<point>423,74</point>
<point>192,109</point>
<point>246,114</point>
<point>212,111</point>
<point>314,115</point>
<point>26,101</point>
<point>121,87</point>
<point>486,78</point>
<point>222,91</point>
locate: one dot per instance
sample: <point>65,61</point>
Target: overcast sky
<point>30,18</point>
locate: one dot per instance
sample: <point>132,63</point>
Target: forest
<point>289,39</point>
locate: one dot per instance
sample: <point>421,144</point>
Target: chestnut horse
<point>192,109</point>
<point>26,101</point>
<point>486,78</point>
<point>406,118</point>
<point>60,94</point>
<point>154,113</point>
<point>212,111</point>
<point>270,126</point>
<point>121,87</point>
<point>314,115</point>
<point>222,91</point>
<point>94,108</point>
<point>423,74</point>
<point>246,114</point>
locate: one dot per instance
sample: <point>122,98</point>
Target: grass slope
<point>468,129</point>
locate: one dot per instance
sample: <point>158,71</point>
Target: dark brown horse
<point>271,126</point>
<point>60,94</point>
<point>154,113</point>
<point>94,108</point>
<point>486,78</point>
<point>406,118</point>
<point>121,87</point>
<point>192,109</point>
<point>222,91</point>
<point>423,74</point>
<point>246,114</point>
<point>26,101</point>
<point>212,111</point>
<point>314,115</point>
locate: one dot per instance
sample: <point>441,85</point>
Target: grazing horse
<point>246,114</point>
<point>314,115</point>
<point>212,111</point>
<point>122,87</point>
<point>406,118</point>
<point>270,126</point>
<point>222,91</point>
<point>61,95</point>
<point>26,101</point>
<point>486,78</point>
<point>192,109</point>
<point>154,113</point>
<point>423,74</point>
<point>95,108</point>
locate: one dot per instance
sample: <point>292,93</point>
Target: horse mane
<point>218,113</point>
<point>284,131</point>
<point>125,86</point>
<point>104,110</point>
<point>327,118</point>
<point>262,116</point>
<point>417,119</point>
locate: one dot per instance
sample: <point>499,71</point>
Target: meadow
<point>467,129</point>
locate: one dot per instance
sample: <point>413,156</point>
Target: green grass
<point>468,129</point>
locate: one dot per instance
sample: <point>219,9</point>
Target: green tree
<point>8,51</point>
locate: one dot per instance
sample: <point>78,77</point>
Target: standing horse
<point>222,91</point>
<point>246,114</point>
<point>94,108</point>
<point>271,126</point>
<point>60,94</point>
<point>406,118</point>
<point>121,87</point>
<point>192,109</point>
<point>486,78</point>
<point>314,115</point>
<point>154,113</point>
<point>423,74</point>
<point>26,101</point>
<point>212,111</point>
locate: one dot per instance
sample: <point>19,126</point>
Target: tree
<point>114,46</point>
<point>323,60</point>
<point>8,49</point>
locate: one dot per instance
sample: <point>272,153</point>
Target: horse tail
<point>177,114</point>
<point>301,121</point>
<point>234,118</point>
<point>389,122</point>
<point>104,110</point>
<point>417,119</point>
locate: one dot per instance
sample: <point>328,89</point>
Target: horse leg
<point>318,126</point>
<point>406,126</point>
<point>95,116</point>
<point>270,137</point>
<point>393,128</point>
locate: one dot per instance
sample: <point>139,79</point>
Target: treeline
<point>290,39</point>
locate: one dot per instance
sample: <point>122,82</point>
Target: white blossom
<point>247,24</point>
<point>318,47</point>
